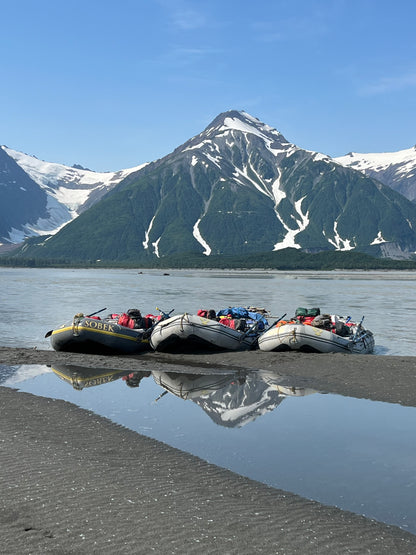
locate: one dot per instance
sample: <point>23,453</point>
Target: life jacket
<point>307,320</point>
<point>238,324</point>
<point>284,322</point>
<point>202,313</point>
<point>154,317</point>
<point>126,321</point>
<point>230,323</point>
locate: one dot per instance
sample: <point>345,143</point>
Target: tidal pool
<point>356,454</point>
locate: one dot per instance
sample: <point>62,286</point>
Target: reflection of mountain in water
<point>231,400</point>
<point>240,403</point>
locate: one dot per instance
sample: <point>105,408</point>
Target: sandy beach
<point>73,482</point>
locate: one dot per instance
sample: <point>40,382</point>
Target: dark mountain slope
<point>23,202</point>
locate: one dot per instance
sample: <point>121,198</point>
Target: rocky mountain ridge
<point>395,169</point>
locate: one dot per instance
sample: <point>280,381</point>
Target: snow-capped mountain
<point>395,169</point>
<point>62,193</point>
<point>238,187</point>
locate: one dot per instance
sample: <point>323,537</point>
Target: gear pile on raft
<point>229,329</point>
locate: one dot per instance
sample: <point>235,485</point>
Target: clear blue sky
<point>112,84</point>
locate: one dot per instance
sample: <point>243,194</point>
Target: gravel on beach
<point>73,482</point>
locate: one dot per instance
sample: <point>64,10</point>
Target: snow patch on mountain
<point>200,239</point>
<point>244,174</point>
<point>198,145</point>
<point>378,240</point>
<point>156,247</point>
<point>339,243</point>
<point>303,222</point>
<point>237,124</point>
<point>214,160</point>
<point>318,156</point>
<point>278,194</point>
<point>147,233</point>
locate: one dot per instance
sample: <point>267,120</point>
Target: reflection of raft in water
<point>189,386</point>
<point>89,335</point>
<point>83,376</point>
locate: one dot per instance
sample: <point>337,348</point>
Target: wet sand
<point>73,482</point>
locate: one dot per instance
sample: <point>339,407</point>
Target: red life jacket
<point>229,322</point>
<point>126,321</point>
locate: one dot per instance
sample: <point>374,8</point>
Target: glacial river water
<point>36,300</point>
<point>356,454</point>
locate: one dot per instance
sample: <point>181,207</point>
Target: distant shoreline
<point>289,259</point>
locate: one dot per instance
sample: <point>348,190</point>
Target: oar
<point>165,315</point>
<point>49,333</point>
<point>161,395</point>
<point>252,328</point>
<point>94,313</point>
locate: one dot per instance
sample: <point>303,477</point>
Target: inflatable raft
<point>85,334</point>
<point>334,335</point>
<point>189,332</point>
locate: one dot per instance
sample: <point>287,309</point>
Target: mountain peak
<point>79,167</point>
<point>235,132</point>
<point>235,120</point>
<point>240,127</point>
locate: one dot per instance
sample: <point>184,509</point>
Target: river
<point>36,300</point>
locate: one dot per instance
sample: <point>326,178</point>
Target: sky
<point>113,84</point>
